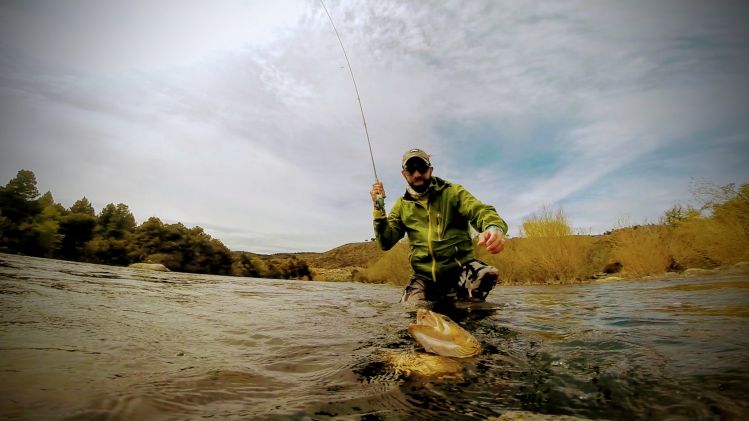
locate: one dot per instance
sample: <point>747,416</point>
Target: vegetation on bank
<point>713,234</point>
<point>36,225</point>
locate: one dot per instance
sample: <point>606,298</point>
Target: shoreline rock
<point>150,266</point>
<point>734,269</point>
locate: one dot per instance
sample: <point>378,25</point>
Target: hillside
<point>352,254</point>
<point>339,263</point>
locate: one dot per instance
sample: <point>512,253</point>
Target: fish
<point>420,364</point>
<point>442,336</point>
<point>533,416</point>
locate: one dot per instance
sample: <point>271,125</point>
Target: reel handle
<point>380,202</point>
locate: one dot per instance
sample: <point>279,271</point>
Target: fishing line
<point>380,199</point>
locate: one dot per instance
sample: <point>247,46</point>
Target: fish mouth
<point>439,335</point>
<point>426,318</point>
<point>426,325</point>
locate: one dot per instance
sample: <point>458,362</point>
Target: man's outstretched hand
<point>493,240</point>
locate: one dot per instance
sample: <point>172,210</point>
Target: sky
<point>241,116</point>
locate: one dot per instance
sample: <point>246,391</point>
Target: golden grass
<point>547,223</point>
<point>707,243</point>
<point>392,268</point>
<point>641,250</point>
<point>542,260</point>
<point>548,253</point>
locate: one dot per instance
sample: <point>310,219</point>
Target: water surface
<point>81,341</point>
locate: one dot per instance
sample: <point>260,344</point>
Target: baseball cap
<point>415,153</point>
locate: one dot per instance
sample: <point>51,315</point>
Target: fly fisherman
<point>436,215</point>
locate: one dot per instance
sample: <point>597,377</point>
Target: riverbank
<point>629,253</point>
<point>355,273</point>
<point>739,268</point>
<point>545,251</point>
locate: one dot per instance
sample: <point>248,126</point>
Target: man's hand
<point>493,240</point>
<point>377,189</point>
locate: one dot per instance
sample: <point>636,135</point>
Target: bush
<point>550,259</point>
<point>547,223</point>
<point>549,253</point>
<point>687,237</point>
<point>707,243</point>
<point>392,268</point>
<point>642,250</point>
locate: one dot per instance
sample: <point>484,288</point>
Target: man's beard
<point>423,187</point>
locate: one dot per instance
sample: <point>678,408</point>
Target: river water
<point>81,341</point>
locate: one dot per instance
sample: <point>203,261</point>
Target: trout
<point>440,335</point>
<point>423,365</point>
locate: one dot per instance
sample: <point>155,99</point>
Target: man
<point>436,215</point>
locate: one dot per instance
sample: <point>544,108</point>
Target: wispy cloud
<point>241,117</point>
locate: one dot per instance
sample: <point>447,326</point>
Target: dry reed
<point>716,235</point>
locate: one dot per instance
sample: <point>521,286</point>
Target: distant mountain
<point>347,255</point>
<point>338,264</point>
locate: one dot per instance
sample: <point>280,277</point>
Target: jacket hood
<point>437,185</point>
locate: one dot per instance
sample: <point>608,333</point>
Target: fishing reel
<point>380,202</point>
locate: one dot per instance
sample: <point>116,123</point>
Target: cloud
<point>142,35</point>
<point>242,118</point>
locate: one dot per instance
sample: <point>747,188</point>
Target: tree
<point>679,214</point>
<point>107,250</point>
<point>76,230</point>
<point>18,197</point>
<point>83,206</point>
<point>47,201</point>
<point>42,235</point>
<point>18,208</point>
<point>220,260</point>
<point>155,242</point>
<point>248,265</point>
<point>110,244</point>
<point>23,185</point>
<point>297,269</point>
<point>734,208</point>
<point>179,248</point>
<point>727,204</point>
<point>37,225</point>
<point>115,221</point>
<point>203,254</point>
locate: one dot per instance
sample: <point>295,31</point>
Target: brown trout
<point>440,335</point>
<point>423,365</point>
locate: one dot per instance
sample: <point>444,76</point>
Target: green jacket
<point>438,231</point>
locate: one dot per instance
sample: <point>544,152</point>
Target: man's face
<point>417,173</point>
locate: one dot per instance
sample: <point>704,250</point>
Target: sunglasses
<point>416,165</point>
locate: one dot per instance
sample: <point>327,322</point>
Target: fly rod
<point>380,198</point>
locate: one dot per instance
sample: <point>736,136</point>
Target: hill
<point>352,254</point>
<point>337,264</point>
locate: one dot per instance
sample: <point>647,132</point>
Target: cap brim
<point>426,161</point>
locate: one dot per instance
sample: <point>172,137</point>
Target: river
<point>82,341</point>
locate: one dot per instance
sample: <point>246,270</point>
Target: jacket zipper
<point>429,242</point>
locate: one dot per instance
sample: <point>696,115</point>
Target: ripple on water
<point>93,341</point>
<point>636,322</point>
<point>214,391</point>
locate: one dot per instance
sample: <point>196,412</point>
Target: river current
<point>82,341</point>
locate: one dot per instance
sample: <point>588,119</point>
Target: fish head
<point>440,335</point>
<point>425,317</point>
